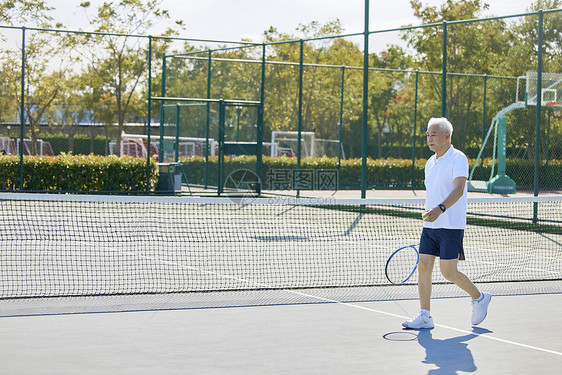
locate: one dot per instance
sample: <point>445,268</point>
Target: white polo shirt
<point>439,176</point>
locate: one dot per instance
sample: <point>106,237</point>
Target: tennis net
<point>81,245</point>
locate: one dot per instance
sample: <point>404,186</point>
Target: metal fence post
<point>148,120</point>
<point>484,120</point>
<point>415,130</point>
<point>208,120</point>
<point>222,135</point>
<point>299,136</point>
<point>259,131</point>
<point>444,73</point>
<point>365,103</point>
<point>177,145</point>
<point>22,105</point>
<point>539,104</point>
<point>538,116</point>
<point>162,116</point>
<point>340,143</point>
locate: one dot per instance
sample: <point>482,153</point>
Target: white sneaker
<point>419,322</point>
<point>480,309</point>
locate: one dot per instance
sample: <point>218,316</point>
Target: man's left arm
<point>458,189</point>
<point>459,184</point>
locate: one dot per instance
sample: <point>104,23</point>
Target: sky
<point>236,19</point>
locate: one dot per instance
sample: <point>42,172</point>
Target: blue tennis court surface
<point>521,335</point>
<point>166,285</point>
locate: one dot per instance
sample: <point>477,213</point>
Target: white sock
<point>480,298</point>
<point>425,313</point>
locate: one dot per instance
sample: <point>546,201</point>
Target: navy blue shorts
<point>444,243</point>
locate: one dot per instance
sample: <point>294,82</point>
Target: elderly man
<point>446,173</point>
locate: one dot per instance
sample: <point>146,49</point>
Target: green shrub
<point>381,173</point>
<point>68,172</point>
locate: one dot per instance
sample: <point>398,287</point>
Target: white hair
<point>443,124</point>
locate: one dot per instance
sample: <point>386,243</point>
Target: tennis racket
<point>402,264</point>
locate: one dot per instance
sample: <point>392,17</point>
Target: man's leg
<point>451,273</point>
<point>425,270</point>
<point>480,301</point>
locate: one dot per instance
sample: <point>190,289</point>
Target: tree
<point>321,84</point>
<point>523,43</point>
<point>47,63</point>
<point>384,86</point>
<point>13,12</point>
<point>120,61</point>
<point>522,58</point>
<point>472,48</point>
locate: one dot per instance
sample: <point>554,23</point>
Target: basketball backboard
<point>551,88</point>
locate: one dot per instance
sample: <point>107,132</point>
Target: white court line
<point>438,325</point>
<point>352,305</point>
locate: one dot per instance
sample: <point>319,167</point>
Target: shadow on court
<point>449,355</point>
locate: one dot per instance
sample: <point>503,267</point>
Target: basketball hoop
<point>556,108</point>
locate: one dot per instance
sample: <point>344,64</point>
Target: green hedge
<point>68,172</point>
<point>382,173</point>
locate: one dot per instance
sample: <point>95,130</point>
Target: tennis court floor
<point>521,335</point>
<point>298,331</point>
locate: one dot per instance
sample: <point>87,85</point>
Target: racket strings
<point>402,264</point>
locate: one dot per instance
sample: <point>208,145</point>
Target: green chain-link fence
<point>295,103</point>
